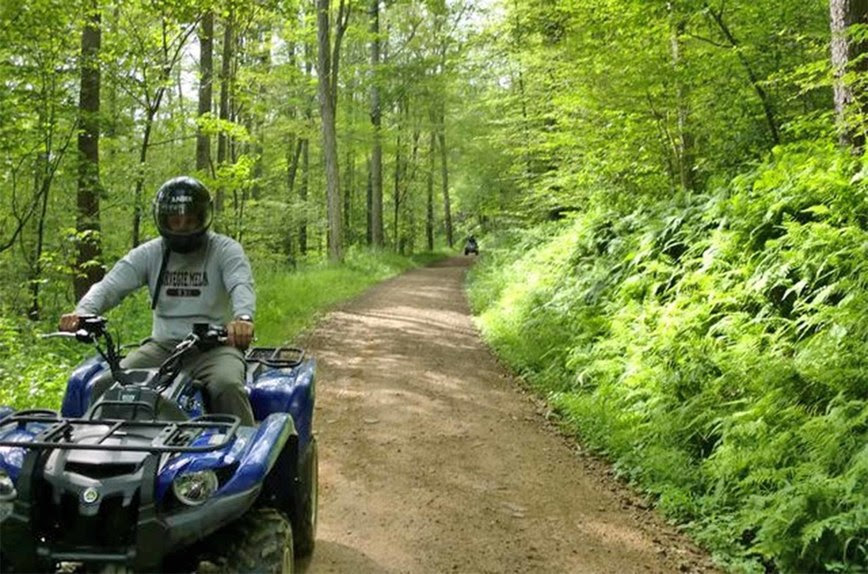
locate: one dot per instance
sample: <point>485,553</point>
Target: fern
<point>715,348</point>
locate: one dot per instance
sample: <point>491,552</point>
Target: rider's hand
<point>240,333</point>
<point>68,322</point>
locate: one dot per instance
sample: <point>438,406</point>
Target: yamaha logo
<point>90,495</point>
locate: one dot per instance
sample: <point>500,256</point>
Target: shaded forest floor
<point>433,459</point>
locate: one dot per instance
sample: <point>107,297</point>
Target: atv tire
<point>304,521</point>
<point>259,542</point>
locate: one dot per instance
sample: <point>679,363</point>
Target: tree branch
<point>717,17</point>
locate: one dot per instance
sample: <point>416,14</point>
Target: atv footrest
<point>168,436</point>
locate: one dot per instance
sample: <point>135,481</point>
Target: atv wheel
<point>304,523</point>
<point>259,542</point>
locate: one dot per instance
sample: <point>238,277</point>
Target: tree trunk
<point>206,73</point>
<point>429,220</point>
<point>293,156</point>
<point>845,52</point>
<point>684,152</point>
<point>36,273</point>
<point>87,267</point>
<point>225,80</point>
<point>329,134</point>
<point>519,45</point>
<point>40,196</point>
<point>397,190</point>
<point>376,220</point>
<point>341,24</point>
<point>305,156</point>
<point>408,243</point>
<point>761,93</point>
<point>302,194</point>
<point>444,175</point>
<point>348,196</point>
<point>257,121</point>
<point>140,177</point>
<point>369,195</point>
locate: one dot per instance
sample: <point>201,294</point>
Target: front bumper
<point>157,535</point>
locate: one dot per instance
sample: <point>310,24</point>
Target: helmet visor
<point>182,214</point>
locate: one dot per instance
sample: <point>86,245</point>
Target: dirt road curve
<point>432,459</point>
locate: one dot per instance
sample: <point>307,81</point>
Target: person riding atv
<point>124,485</point>
<point>186,455</point>
<point>471,246</point>
<point>194,276</point>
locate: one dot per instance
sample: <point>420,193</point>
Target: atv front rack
<point>277,357</point>
<point>173,437</point>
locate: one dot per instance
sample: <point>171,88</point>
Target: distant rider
<point>471,246</point>
<point>194,276</point>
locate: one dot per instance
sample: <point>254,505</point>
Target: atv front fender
<point>265,446</point>
<point>76,399</point>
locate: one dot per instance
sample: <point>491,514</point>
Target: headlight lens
<point>7,495</point>
<point>194,488</point>
<point>7,487</point>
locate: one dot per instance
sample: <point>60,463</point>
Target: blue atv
<point>147,480</point>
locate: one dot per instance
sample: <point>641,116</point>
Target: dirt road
<point>432,459</point>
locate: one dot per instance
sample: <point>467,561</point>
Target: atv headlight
<point>194,488</point>
<point>7,488</point>
<point>7,495</point>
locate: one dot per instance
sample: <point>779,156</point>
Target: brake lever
<point>55,334</point>
<point>81,335</point>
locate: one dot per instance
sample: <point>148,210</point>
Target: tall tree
<point>87,267</point>
<point>329,133</point>
<point>444,177</point>
<point>848,55</point>
<point>206,74</point>
<point>684,153</point>
<point>223,151</point>
<point>429,218</point>
<point>305,155</point>
<point>376,209</point>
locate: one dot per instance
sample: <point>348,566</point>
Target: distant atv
<point>145,480</point>
<point>471,246</point>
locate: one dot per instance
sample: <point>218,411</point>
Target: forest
<point>670,197</point>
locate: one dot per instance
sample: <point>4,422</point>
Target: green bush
<point>715,348</point>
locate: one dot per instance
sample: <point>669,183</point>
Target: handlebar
<point>205,333</point>
<point>204,336</point>
<point>92,329</point>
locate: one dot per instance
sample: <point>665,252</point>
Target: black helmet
<point>182,212</point>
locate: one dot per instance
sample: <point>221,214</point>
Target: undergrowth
<point>715,347</point>
<point>34,370</point>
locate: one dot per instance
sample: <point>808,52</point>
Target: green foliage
<point>34,369</point>
<point>714,346</point>
<point>32,373</point>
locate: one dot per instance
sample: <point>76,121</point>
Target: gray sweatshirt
<point>211,285</point>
